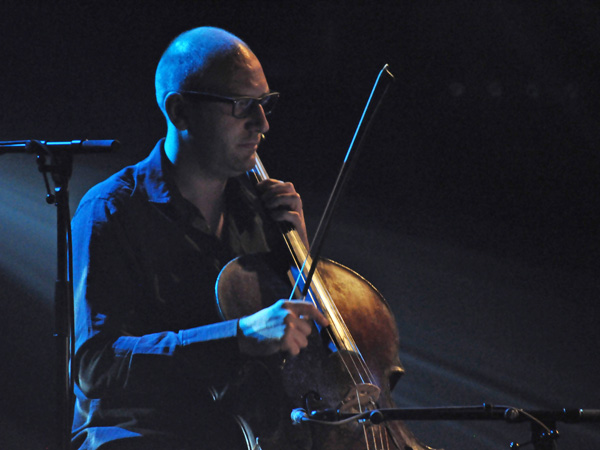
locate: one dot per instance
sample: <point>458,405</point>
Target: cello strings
<point>341,327</point>
<point>369,429</point>
<point>380,439</point>
<point>332,311</point>
<point>313,300</point>
<point>364,425</point>
<point>357,361</point>
<point>260,173</point>
<point>293,241</point>
<point>375,433</point>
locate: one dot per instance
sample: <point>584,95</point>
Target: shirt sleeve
<point>111,358</point>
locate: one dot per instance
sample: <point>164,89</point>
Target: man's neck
<point>207,194</point>
<point>204,190</point>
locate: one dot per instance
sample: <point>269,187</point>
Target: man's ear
<point>176,111</point>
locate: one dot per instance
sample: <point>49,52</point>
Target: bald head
<point>197,59</point>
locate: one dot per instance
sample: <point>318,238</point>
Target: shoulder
<point>139,181</point>
<point>110,193</point>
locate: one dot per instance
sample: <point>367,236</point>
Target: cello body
<point>266,390</point>
<point>351,366</point>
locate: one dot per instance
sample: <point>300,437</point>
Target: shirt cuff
<point>205,333</point>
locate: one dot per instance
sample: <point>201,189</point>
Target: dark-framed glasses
<point>241,106</point>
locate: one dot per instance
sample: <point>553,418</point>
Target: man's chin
<point>243,166</point>
<point>251,162</point>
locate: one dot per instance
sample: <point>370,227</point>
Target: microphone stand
<point>543,422</point>
<point>56,158</point>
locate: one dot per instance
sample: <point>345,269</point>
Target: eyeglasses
<point>241,106</point>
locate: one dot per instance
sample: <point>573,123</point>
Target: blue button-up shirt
<point>149,340</point>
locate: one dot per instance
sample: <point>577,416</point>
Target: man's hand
<point>284,204</point>
<point>283,326</point>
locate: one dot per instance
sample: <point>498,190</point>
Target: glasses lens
<point>244,106</point>
<point>268,103</point>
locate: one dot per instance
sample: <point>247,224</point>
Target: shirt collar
<point>155,177</point>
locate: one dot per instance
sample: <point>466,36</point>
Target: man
<point>149,243</point>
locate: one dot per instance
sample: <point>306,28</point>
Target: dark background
<point>474,207</point>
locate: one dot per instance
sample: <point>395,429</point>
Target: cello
<point>349,367</point>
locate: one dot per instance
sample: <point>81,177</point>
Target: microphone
<point>76,146</point>
<point>298,416</point>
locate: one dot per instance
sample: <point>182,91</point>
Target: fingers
<point>279,195</point>
<point>283,199</point>
<point>293,342</point>
<point>284,326</point>
<point>298,321</point>
<point>287,216</point>
<point>306,311</point>
<point>284,204</point>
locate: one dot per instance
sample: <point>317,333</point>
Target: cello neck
<point>295,245</point>
<point>302,263</point>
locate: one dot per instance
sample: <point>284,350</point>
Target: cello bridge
<point>358,397</point>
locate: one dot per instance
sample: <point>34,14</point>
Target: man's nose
<point>259,120</point>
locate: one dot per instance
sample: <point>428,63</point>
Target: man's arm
<point>111,353</point>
